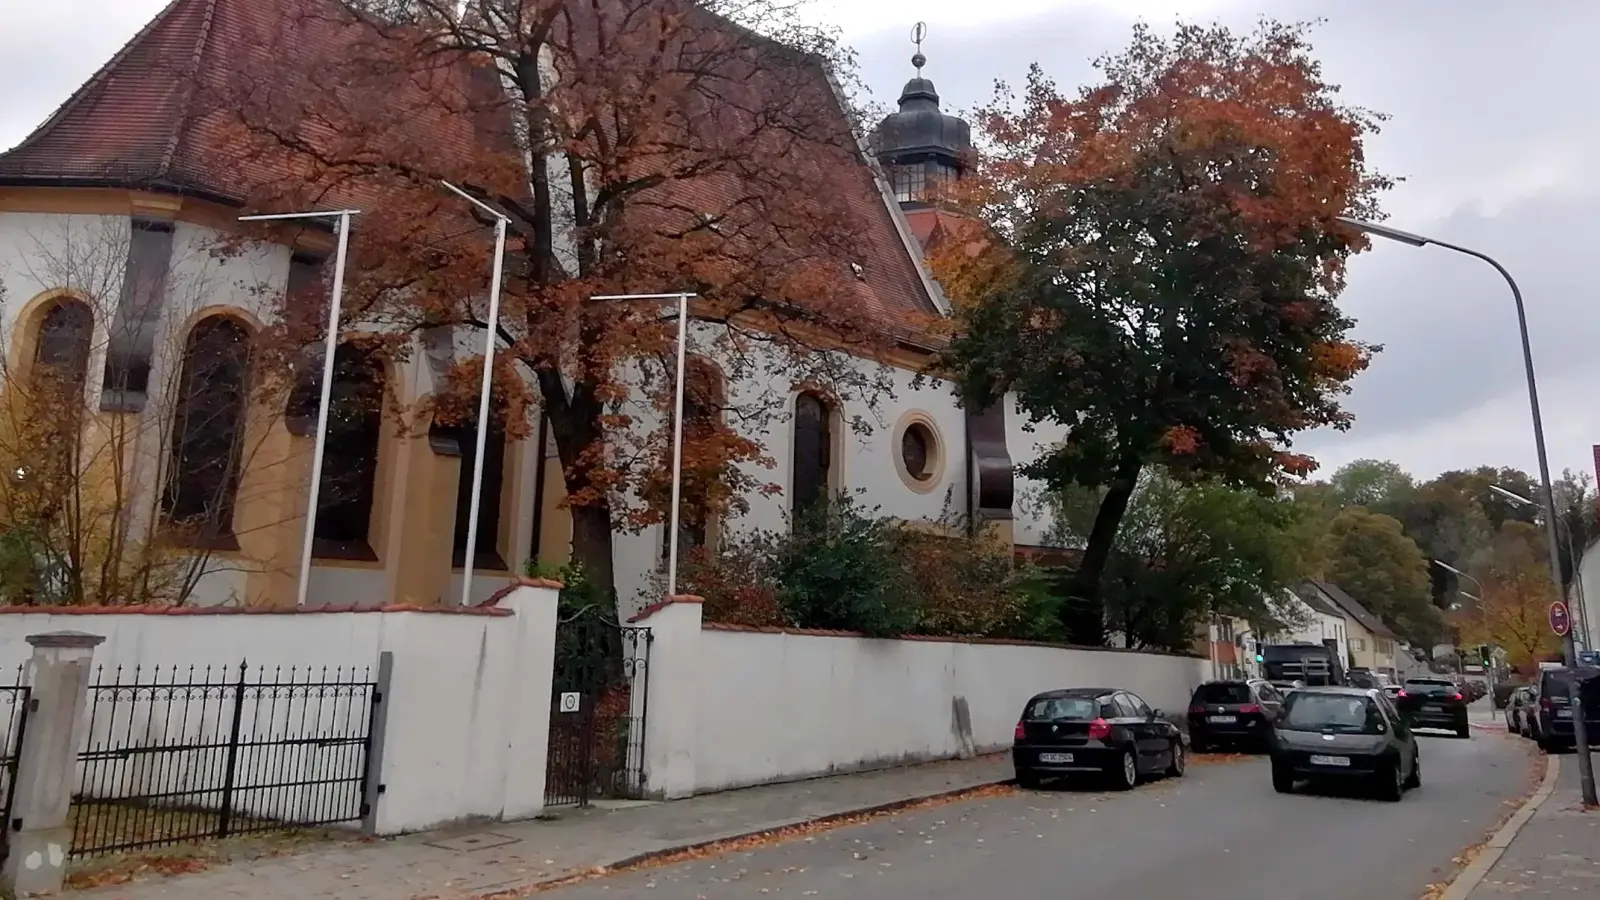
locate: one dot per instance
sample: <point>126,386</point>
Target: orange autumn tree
<point>635,146</point>
<point>1164,267</point>
<point>1514,612</point>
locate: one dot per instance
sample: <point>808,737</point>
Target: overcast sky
<point>1489,101</point>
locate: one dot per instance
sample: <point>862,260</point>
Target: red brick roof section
<point>250,610</point>
<point>155,118</point>
<point>495,598</point>
<point>933,639</point>
<point>661,604</point>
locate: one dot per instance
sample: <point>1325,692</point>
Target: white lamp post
<point>677,425</point>
<point>485,391</point>
<point>330,346</point>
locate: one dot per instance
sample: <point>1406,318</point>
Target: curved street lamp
<point>1546,494</point>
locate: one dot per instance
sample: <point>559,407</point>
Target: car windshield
<point>1063,708</point>
<point>1222,693</point>
<point>1430,687</point>
<point>1330,712</point>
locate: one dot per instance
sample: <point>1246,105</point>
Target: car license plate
<point>1433,707</point>
<point>1330,760</point>
<point>1055,758</point>
<point>1224,720</point>
<point>1563,713</point>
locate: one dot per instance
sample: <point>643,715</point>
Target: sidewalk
<point>1556,854</point>
<point>497,857</point>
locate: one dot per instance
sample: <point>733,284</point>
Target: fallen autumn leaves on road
<point>780,835</point>
<point>1535,776</point>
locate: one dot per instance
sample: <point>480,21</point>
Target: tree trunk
<point>592,547</point>
<point>1083,615</point>
<point>575,423</point>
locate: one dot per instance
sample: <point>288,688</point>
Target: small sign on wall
<point>570,701</point>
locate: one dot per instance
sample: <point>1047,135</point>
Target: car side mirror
<point>1157,714</point>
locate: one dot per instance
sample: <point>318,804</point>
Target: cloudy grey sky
<point>1493,104</point>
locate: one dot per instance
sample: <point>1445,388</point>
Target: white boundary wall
<point>732,708</point>
<point>467,713</point>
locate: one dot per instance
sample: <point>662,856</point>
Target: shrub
<point>842,566</point>
<point>735,584</point>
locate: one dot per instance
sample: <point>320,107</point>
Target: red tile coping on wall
<point>495,598</point>
<point>932,639</point>
<point>249,610</point>
<point>661,604</point>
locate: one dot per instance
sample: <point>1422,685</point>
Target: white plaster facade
<point>467,716</point>
<point>33,246</point>
<point>746,708</point>
<point>1583,599</point>
<point>1312,626</point>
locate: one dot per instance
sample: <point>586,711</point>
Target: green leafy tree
<point>1165,267</point>
<point>1190,550</point>
<point>1369,555</point>
<point>1378,485</point>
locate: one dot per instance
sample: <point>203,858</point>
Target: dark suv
<point>1232,713</point>
<point>1434,703</point>
<point>1553,713</point>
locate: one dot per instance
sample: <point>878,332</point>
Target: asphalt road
<point>1220,832</point>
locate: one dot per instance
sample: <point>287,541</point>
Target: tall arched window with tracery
<point>49,427</point>
<point>61,350</point>
<point>487,555</point>
<point>350,455</point>
<point>703,400</point>
<point>813,452</point>
<point>208,429</point>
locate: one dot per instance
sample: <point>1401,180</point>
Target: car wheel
<point>1126,775</point>
<point>1282,778</point>
<point>1028,780</point>
<point>1391,783</point>
<point>1415,781</point>
<point>1176,767</point>
<point>1199,744</point>
<point>1463,730</point>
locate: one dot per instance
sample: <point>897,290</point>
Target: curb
<point>1463,884</point>
<point>639,860</point>
<point>879,809</point>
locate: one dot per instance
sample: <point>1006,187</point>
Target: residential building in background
<point>1319,621</point>
<point>1372,643</point>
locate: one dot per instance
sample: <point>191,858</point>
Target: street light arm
<point>1546,492</point>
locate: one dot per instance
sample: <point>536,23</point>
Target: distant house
<point>1372,643</point>
<point>1318,619</point>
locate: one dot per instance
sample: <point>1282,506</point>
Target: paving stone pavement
<point>1556,854</point>
<point>462,863</point>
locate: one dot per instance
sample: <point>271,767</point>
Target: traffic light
<point>1255,646</point>
<point>1485,653</point>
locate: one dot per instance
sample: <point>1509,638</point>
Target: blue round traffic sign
<point>1560,623</point>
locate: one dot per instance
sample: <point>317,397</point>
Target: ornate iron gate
<point>597,710</point>
<point>14,700</point>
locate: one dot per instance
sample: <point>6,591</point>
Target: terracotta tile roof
<point>144,121</point>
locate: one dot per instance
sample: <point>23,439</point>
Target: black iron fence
<point>177,754</point>
<point>597,710</point>
<point>14,698</point>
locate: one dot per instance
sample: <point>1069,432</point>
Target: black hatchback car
<point>1434,703</point>
<point>1344,734</point>
<point>1234,713</point>
<point>1102,732</point>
